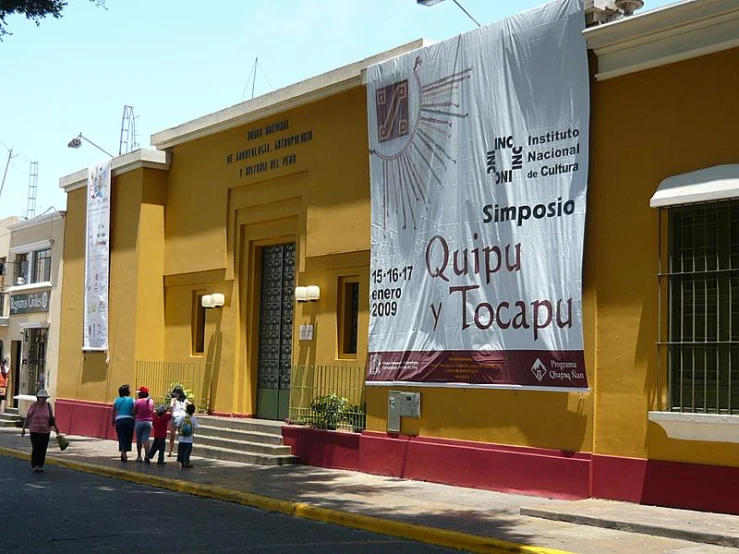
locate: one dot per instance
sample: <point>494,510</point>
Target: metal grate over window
<point>41,266</point>
<point>703,308</point>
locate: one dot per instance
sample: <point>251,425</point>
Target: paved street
<point>397,507</point>
<point>62,510</point>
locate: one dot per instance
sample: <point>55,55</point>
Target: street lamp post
<point>76,142</point>
<point>434,2</point>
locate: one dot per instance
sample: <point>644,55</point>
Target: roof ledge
<point>151,159</point>
<point>287,98</point>
<point>663,36</point>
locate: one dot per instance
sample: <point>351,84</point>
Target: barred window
<point>348,316</point>
<point>197,324</point>
<point>41,266</point>
<point>21,269</point>
<point>703,308</point>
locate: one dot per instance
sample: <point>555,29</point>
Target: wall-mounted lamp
<point>311,293</point>
<point>212,300</point>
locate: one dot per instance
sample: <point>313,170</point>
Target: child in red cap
<point>162,416</point>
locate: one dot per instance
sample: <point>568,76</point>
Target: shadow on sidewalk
<point>427,504</point>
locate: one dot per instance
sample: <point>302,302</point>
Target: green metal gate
<point>275,331</point>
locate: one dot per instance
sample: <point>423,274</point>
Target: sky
<point>176,60</point>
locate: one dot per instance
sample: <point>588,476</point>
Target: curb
<point>633,527</point>
<point>411,531</point>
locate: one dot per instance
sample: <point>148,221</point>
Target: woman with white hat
<point>40,421</point>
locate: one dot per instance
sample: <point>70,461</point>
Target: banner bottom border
<point>581,390</point>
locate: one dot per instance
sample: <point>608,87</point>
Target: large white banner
<point>479,165</point>
<point>97,257</point>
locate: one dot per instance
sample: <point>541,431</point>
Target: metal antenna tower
<point>32,188</point>
<point>129,137</point>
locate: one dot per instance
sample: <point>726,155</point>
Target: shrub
<point>327,411</point>
<point>190,395</point>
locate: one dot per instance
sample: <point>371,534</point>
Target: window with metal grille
<point>348,316</point>
<point>703,308</point>
<point>41,266</point>
<point>197,323</point>
<point>21,269</point>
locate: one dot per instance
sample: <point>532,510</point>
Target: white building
<point>5,342</point>
<point>33,279</point>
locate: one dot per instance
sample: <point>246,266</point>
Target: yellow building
<point>228,200</point>
<point>272,194</point>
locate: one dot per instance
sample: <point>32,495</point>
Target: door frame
<point>252,238</point>
<point>280,412</point>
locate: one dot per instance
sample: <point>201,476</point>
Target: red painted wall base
<point>671,484</point>
<point>523,470</point>
<point>462,463</point>
<point>89,419</point>
<point>504,468</point>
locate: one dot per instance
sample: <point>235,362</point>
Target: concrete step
<point>226,454</point>
<point>10,420</point>
<point>243,424</point>
<point>12,411</point>
<point>239,435</point>
<point>245,440</point>
<point>6,423</point>
<point>242,445</point>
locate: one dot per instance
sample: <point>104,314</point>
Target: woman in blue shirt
<point>123,420</point>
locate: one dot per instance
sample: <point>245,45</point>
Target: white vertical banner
<point>478,172</point>
<point>97,257</point>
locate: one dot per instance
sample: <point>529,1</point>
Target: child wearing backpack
<point>186,429</point>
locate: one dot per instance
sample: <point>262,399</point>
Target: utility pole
<point>5,174</point>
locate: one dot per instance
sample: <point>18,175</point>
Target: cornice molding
<point>36,221</point>
<point>143,158</point>
<point>663,36</point>
<point>32,246</point>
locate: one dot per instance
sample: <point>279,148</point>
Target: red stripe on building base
<point>522,469</point>
<point>480,465</point>
<point>461,463</point>
<point>671,484</point>
<point>89,419</point>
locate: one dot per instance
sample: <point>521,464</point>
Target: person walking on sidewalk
<point>162,416</point>
<point>186,428</point>
<point>123,420</point>
<point>143,415</point>
<point>177,406</point>
<point>40,421</point>
<point>3,385</point>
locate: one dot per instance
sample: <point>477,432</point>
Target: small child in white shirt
<point>186,429</point>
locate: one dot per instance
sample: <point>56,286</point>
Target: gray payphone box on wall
<point>401,404</point>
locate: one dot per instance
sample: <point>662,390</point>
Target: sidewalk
<point>468,519</point>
